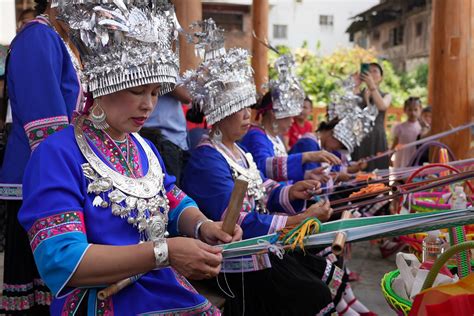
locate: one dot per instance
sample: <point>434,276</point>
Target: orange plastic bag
<point>450,299</point>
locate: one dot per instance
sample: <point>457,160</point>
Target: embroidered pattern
<point>37,131</point>
<point>336,280</point>
<point>57,224</point>
<point>175,196</point>
<point>285,200</point>
<point>278,223</point>
<point>203,309</point>
<point>183,281</point>
<point>120,156</point>
<point>11,191</point>
<point>31,294</point>
<point>105,307</point>
<point>326,310</point>
<point>276,168</point>
<point>73,301</point>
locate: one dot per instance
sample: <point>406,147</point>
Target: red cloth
<point>296,131</point>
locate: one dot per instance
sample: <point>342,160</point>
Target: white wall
<point>302,18</point>
<point>7,21</point>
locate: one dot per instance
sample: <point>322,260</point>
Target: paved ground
<point>366,261</point>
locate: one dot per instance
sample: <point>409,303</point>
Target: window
<point>396,36</point>
<point>376,35</point>
<point>326,20</point>
<point>419,29</point>
<point>280,31</point>
<point>228,21</point>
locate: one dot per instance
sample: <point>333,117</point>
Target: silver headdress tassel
<point>223,83</point>
<point>123,43</point>
<point>287,92</point>
<point>355,123</point>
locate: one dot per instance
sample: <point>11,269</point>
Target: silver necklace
<point>142,200</point>
<point>250,174</point>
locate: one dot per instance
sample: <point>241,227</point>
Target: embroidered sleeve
<point>52,211</point>
<point>58,243</point>
<point>178,202</point>
<point>44,85</point>
<point>38,130</point>
<point>276,168</point>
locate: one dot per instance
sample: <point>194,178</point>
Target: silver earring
<point>217,135</point>
<point>275,127</point>
<point>98,117</point>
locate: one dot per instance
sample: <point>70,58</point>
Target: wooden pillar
<point>187,11</point>
<point>452,84</point>
<point>260,10</point>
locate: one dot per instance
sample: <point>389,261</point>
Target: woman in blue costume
<point>44,89</point>
<point>269,284</point>
<point>277,108</point>
<point>326,139</point>
<point>98,204</point>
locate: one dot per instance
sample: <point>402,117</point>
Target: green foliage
<point>321,74</point>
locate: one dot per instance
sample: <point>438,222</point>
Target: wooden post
<point>260,10</point>
<point>452,71</point>
<point>187,11</point>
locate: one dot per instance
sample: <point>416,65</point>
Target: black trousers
<point>173,156</point>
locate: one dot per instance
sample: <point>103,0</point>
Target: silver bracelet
<point>160,248</point>
<point>198,225</point>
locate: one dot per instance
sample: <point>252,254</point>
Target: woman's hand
<point>321,210</point>
<point>211,233</point>
<point>341,177</point>
<point>317,174</point>
<point>193,258</point>
<point>321,156</point>
<point>358,166</point>
<point>304,190</point>
<point>369,81</point>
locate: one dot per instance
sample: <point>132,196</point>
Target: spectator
<point>425,121</point>
<point>301,125</point>
<point>44,90</point>
<point>166,129</point>
<point>407,132</point>
<point>376,141</point>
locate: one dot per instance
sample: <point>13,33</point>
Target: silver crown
<point>287,92</point>
<point>123,44</point>
<point>355,123</point>
<point>223,83</point>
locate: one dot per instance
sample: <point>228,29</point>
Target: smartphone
<point>364,68</point>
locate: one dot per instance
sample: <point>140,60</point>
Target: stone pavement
<point>367,261</point>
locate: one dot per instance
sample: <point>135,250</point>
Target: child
<point>301,125</point>
<point>407,132</point>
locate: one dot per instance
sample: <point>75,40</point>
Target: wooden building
<point>399,30</point>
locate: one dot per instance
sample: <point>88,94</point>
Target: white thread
<point>277,250</point>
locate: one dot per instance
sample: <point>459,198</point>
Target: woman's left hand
<point>211,233</point>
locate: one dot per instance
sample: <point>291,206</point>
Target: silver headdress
<point>123,43</point>
<point>355,123</point>
<point>287,92</point>
<point>223,83</point>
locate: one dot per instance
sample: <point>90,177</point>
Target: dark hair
<point>328,126</point>
<point>195,115</point>
<point>308,99</point>
<point>410,101</point>
<point>378,66</point>
<point>426,109</point>
<point>264,101</point>
<point>41,6</point>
